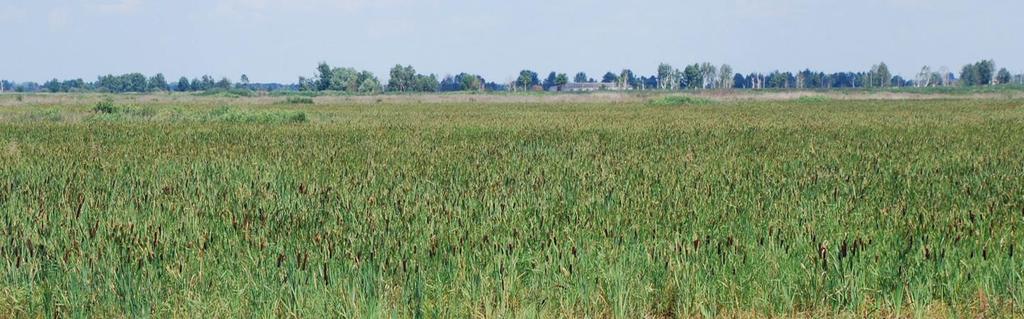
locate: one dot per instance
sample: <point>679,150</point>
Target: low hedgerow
<point>676,100</point>
<point>299,100</point>
<point>233,115</point>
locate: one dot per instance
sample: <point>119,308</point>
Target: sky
<point>278,40</point>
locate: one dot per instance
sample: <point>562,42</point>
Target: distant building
<point>585,87</point>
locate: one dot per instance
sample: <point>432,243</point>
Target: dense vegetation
<point>668,207</point>
<point>403,79</point>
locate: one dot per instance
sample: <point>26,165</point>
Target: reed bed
<point>808,208</point>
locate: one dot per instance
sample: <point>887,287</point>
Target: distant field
<point>618,205</point>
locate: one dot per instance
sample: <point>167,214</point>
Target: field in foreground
<point>459,209</point>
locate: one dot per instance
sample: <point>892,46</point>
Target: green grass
<point>605,209</point>
<point>298,100</point>
<point>677,100</point>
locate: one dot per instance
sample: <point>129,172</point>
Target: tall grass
<point>812,208</point>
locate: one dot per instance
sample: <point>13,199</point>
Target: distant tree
<point>463,82</point>
<point>779,80</point>
<point>425,83</point>
<point>307,84</point>
<point>549,81</point>
<point>693,77</point>
<point>969,75</point>
<point>326,76</point>
<point>344,79</point>
<point>368,83</point>
<point>666,77</point>
<point>725,76</point>
<point>158,83</point>
<point>627,79</point>
<point>243,81</point>
<point>561,80</point>
<point>224,84</point>
<point>882,75</point>
<point>72,85</point>
<point>183,85</point>
<point>1003,77</point>
<point>527,79</point>
<point>986,70</point>
<point>924,78</point>
<point>402,78</point>
<point>136,82</point>
<point>580,77</point>
<point>53,86</point>
<point>739,82</point>
<point>470,82</point>
<point>610,78</point>
<point>708,75</point>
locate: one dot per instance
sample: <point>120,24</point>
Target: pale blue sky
<point>277,40</point>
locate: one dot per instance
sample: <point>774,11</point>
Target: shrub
<point>299,100</point>
<point>233,115</point>
<point>676,100</point>
<point>813,99</point>
<point>105,107</point>
<point>107,110</point>
<point>47,115</point>
<point>232,93</point>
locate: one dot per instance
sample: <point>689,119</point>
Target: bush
<point>813,99</point>
<point>47,115</point>
<point>232,93</point>
<point>233,115</point>
<point>676,100</point>
<point>105,107</point>
<point>107,110</point>
<point>299,100</point>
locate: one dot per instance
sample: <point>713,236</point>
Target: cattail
<point>842,250</point>
<point>823,254</point>
<point>326,275</point>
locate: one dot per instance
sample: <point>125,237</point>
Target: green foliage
<point>158,83</point>
<point>693,78</point>
<point>107,110</point>
<point>47,115</point>
<point>668,77</point>
<point>561,80</point>
<point>184,85</point>
<point>813,99</point>
<point>1003,77</point>
<point>679,100</point>
<point>105,107</point>
<point>228,92</point>
<point>609,77</point>
<point>581,77</point>
<point>235,115</point>
<point>980,73</point>
<point>298,100</point>
<point>506,210</point>
<point>527,79</point>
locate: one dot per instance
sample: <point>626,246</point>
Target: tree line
<point>401,79</point>
<point>697,76</point>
